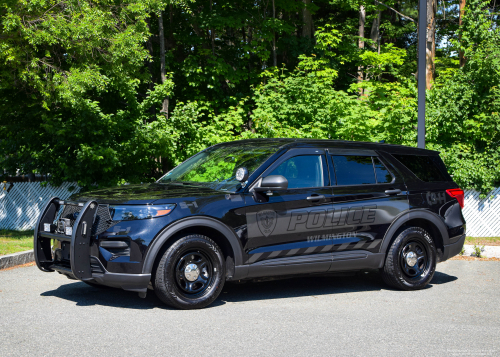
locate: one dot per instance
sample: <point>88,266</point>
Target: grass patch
<point>15,241</point>
<point>480,241</point>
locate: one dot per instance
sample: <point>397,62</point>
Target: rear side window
<point>354,170</point>
<point>426,168</point>
<point>382,173</point>
<point>360,170</point>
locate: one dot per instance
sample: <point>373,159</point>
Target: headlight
<point>132,212</point>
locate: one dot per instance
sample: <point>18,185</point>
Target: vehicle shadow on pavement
<point>314,285</point>
<point>85,295</point>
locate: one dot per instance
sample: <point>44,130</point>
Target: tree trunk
<point>430,52</point>
<point>361,42</point>
<point>375,32</point>
<point>149,45</point>
<point>461,53</point>
<point>249,41</point>
<point>307,20</point>
<point>212,32</point>
<point>164,108</point>
<point>275,61</point>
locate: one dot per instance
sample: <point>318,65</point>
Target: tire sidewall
<point>166,280</point>
<point>414,234</point>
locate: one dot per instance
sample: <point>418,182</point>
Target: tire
<point>191,273</point>
<point>398,271</point>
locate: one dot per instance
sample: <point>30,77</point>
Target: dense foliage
<point>82,95</point>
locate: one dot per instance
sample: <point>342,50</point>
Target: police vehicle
<point>260,208</point>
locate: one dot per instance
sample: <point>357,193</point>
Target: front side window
<point>302,171</point>
<point>216,167</point>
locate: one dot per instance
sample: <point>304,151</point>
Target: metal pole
<point>422,42</point>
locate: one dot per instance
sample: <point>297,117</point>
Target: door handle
<point>316,198</point>
<point>392,192</point>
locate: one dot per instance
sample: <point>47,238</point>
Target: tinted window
<point>383,175</point>
<point>302,171</point>
<point>354,170</point>
<point>426,168</point>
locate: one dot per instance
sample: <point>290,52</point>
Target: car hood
<point>145,193</point>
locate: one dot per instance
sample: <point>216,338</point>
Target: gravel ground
<point>457,315</point>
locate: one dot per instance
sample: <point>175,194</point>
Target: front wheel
<point>411,261</point>
<point>191,273</point>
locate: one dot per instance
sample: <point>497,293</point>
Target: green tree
<point>73,91</point>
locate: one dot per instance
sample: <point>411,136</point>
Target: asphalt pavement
<point>457,315</point>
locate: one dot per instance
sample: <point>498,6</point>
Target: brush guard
<point>81,264</point>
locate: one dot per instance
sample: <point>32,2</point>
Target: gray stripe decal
<point>327,247</point>
<point>254,257</point>
<point>293,251</point>
<point>343,246</point>
<point>275,253</point>
<point>360,244</point>
<point>310,249</point>
<point>374,244</point>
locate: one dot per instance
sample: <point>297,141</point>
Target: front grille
<point>71,212</point>
<point>103,220</point>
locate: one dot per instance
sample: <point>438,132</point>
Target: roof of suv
<point>291,143</point>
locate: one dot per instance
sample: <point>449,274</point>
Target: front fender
<point>169,231</point>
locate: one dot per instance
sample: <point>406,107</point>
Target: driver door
<point>291,223</point>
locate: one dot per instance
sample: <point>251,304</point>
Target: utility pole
<point>422,42</point>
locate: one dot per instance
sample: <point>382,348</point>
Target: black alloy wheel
<point>411,260</point>
<point>193,272</point>
<point>190,273</point>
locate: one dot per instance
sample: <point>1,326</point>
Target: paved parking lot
<point>459,314</point>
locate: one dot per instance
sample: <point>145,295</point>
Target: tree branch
<point>397,12</point>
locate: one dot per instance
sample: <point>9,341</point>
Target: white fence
<point>21,206</point>
<point>482,215</point>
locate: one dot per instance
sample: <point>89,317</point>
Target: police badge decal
<point>266,221</point>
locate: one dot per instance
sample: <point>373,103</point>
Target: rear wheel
<point>411,261</point>
<point>191,273</point>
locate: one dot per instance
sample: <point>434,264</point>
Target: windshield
<point>216,167</point>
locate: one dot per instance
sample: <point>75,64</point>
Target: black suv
<point>260,208</point>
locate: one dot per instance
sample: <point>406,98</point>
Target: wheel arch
<point>223,235</point>
<point>429,221</point>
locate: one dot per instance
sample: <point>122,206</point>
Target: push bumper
<point>453,249</point>
<point>79,264</point>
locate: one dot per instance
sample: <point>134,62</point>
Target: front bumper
<point>79,263</point>
<point>453,249</point>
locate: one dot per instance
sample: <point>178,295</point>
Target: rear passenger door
<point>367,196</point>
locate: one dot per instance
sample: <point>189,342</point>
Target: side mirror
<point>273,183</point>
